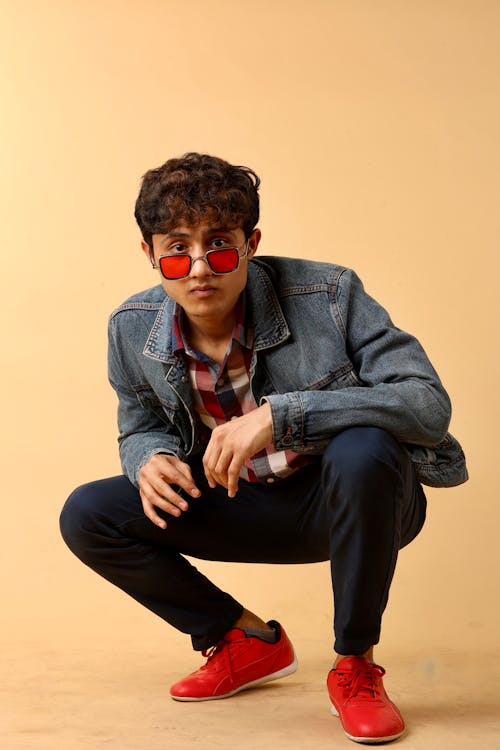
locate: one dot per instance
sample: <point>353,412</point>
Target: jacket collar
<point>270,326</point>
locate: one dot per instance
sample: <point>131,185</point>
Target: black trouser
<point>356,506</point>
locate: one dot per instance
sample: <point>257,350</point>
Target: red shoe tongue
<point>352,662</point>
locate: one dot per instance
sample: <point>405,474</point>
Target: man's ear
<point>148,252</point>
<point>253,243</point>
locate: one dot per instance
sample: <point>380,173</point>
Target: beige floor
<point>116,698</point>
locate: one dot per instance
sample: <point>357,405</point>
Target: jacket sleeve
<point>398,390</point>
<point>142,433</point>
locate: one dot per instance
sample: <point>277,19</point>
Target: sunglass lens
<point>224,260</point>
<point>175,267</point>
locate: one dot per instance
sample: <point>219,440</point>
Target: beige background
<point>374,127</point>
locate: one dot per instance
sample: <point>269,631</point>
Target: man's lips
<point>203,291</point>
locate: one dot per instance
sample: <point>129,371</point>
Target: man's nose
<point>199,266</point>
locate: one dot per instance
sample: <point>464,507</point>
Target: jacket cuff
<point>288,421</point>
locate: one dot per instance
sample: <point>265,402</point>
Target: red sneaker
<point>237,662</point>
<point>360,701</point>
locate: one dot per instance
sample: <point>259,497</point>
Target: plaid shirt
<point>222,392</point>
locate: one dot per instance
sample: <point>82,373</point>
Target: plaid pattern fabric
<point>222,392</point>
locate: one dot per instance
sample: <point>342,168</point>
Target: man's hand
<point>156,478</point>
<point>233,442</point>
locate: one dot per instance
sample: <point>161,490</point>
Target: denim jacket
<point>326,357</point>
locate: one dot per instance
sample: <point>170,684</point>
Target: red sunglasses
<point>221,260</point>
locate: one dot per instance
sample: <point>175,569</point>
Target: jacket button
<point>287,440</point>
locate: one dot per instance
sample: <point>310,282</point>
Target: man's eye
<point>178,248</point>
<point>219,242</point>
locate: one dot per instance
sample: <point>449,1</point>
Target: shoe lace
<point>360,684</point>
<point>211,653</point>
<point>221,650</point>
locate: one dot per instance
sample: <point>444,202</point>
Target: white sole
<point>267,678</point>
<point>367,740</point>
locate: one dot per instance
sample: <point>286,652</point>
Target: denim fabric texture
<point>326,357</point>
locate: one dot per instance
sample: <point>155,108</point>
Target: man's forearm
<point>411,411</point>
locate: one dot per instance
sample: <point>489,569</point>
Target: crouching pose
<point>269,411</point>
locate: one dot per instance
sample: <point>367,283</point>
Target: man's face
<point>208,299</point>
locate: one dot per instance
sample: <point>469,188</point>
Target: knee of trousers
<point>362,461</point>
<point>79,520</point>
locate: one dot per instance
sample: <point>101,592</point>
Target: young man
<point>269,411</point>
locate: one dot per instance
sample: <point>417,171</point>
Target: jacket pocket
<point>342,377</point>
<point>148,399</point>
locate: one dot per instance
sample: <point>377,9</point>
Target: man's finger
<point>150,513</point>
<point>161,476</point>
<point>209,466</point>
<point>233,475</point>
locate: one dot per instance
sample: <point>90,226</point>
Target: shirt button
<point>270,480</point>
<point>220,381</point>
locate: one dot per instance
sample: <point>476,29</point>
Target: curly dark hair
<point>194,188</point>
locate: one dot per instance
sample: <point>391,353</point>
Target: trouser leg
<point>375,506</point>
<point>104,525</point>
